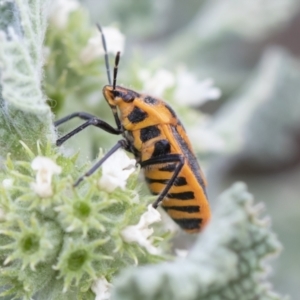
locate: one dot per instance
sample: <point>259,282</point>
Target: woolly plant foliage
<point>58,239</point>
<point>24,113</point>
<point>228,260</point>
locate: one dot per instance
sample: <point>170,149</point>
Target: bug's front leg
<point>90,121</point>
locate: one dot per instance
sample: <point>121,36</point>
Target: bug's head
<point>117,96</point>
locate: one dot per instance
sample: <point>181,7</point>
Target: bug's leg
<point>120,144</point>
<point>176,158</point>
<point>80,115</point>
<point>91,121</point>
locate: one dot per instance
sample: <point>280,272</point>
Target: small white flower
<point>157,83</point>
<point>45,168</point>
<point>116,170</point>
<point>190,91</point>
<point>60,10</point>
<point>101,287</point>
<point>140,232</point>
<point>115,41</point>
<point>7,183</point>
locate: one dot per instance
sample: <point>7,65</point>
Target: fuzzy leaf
<point>226,36</point>
<point>24,113</point>
<point>225,263</point>
<point>218,17</point>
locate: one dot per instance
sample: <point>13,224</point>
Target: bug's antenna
<point>105,53</point>
<point>116,69</point>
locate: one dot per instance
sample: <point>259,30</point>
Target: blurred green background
<point>250,48</point>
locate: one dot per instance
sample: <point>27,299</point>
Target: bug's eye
<point>117,94</point>
<point>128,97</point>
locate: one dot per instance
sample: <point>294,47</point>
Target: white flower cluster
<point>188,90</point>
<point>157,83</point>
<point>115,41</point>
<point>115,172</point>
<point>60,10</point>
<point>140,232</point>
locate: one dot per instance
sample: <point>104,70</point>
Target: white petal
<point>101,287</point>
<point>45,168</point>
<point>119,162</point>
<point>151,216</point>
<point>110,183</point>
<point>158,83</point>
<point>133,234</point>
<point>189,90</point>
<point>115,41</point>
<point>60,10</point>
<point>116,170</point>
<point>140,232</point>
<point>43,190</point>
<point>41,162</point>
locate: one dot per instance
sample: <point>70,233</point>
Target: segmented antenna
<point>116,69</point>
<point>105,53</point>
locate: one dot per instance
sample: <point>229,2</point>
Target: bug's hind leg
<point>176,158</point>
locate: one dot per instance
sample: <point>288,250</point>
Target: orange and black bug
<point>154,135</point>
